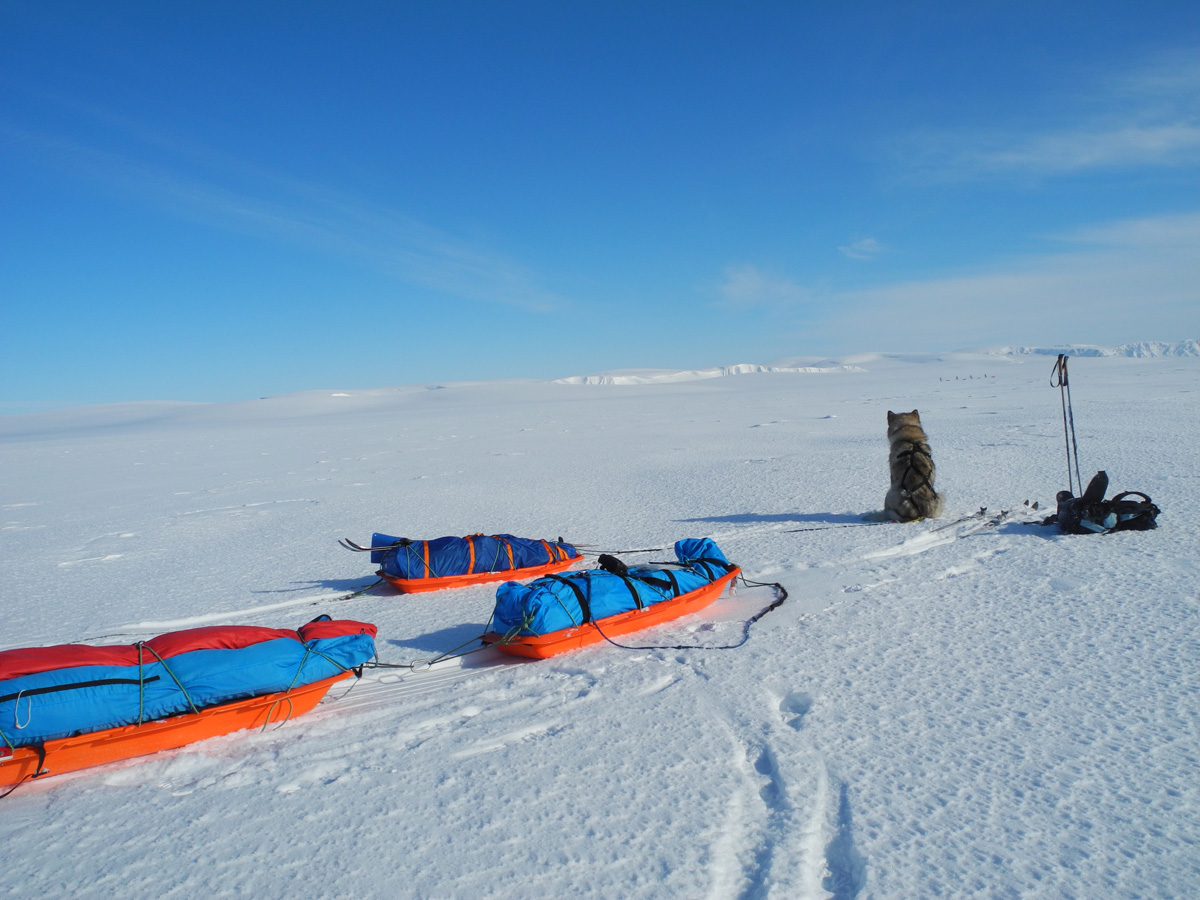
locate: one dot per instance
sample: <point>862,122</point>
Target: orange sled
<point>543,646</point>
<point>416,566</point>
<point>112,744</point>
<point>420,585</point>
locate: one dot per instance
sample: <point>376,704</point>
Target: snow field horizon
<point>1001,711</point>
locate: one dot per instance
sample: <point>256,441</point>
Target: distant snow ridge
<point>666,376</point>
<point>1150,349</point>
<point>1137,349</point>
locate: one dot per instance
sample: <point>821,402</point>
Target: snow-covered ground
<point>995,712</point>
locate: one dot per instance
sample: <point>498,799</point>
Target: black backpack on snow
<point>1092,514</point>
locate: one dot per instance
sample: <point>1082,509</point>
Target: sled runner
<point>556,614</point>
<point>83,751</point>
<point>415,566</point>
<point>74,706</point>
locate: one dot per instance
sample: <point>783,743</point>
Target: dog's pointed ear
<point>915,414</point>
<point>891,417</point>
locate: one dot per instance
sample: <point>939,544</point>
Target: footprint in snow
<point>794,707</point>
<point>529,732</point>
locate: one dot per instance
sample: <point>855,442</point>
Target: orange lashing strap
<point>471,564</point>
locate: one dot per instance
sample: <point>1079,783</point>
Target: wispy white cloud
<point>1146,118</point>
<point>1106,284</point>
<point>1088,147</point>
<point>1178,232</point>
<point>746,287</point>
<point>202,185</point>
<point>866,248</point>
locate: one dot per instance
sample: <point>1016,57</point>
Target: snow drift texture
<point>1006,712</point>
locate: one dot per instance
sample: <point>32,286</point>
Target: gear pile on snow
<point>1092,514</point>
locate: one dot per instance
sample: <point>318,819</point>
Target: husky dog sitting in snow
<point>911,495</point>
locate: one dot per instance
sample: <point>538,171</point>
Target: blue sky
<point>224,200</point>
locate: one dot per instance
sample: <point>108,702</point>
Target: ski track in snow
<point>941,709</point>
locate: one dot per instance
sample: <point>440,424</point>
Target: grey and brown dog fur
<point>911,495</point>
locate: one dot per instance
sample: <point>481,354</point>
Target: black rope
<point>840,525</point>
<point>1060,380</point>
<point>39,770</point>
<point>618,552</point>
<point>357,593</point>
<point>422,664</point>
<point>781,595</point>
<point>419,665</point>
<point>17,785</point>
